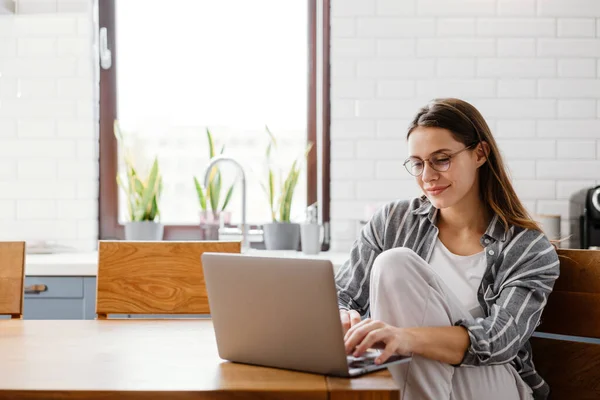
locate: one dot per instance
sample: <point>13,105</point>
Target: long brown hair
<point>467,126</point>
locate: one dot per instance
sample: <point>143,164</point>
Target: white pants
<point>406,292</point>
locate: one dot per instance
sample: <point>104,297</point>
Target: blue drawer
<point>53,308</point>
<point>57,287</point>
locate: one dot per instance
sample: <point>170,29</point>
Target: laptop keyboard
<point>362,361</point>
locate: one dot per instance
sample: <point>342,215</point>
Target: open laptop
<point>280,312</point>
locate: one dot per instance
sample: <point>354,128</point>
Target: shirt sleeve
<point>353,278</point>
<point>528,272</point>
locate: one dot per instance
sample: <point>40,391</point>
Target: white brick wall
<point>48,124</point>
<point>531,67</point>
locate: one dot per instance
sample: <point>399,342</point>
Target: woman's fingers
<point>354,317</point>
<point>349,318</point>
<point>390,350</point>
<point>357,333</point>
<point>345,319</point>
<point>356,326</point>
<point>374,336</point>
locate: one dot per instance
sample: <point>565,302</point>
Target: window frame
<point>108,207</point>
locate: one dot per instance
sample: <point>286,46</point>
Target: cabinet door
<point>56,298</point>
<point>89,297</point>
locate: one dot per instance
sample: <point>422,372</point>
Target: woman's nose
<point>429,173</point>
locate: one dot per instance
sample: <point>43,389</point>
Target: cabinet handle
<point>35,289</point>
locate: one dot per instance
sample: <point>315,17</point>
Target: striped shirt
<point>522,266</point>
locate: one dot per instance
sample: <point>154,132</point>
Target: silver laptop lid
<point>279,312</point>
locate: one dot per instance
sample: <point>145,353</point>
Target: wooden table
<point>151,359</point>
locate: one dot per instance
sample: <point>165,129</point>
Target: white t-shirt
<point>462,274</point>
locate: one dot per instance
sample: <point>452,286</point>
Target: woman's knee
<point>395,261</point>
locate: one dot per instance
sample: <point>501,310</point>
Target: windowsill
<point>86,263</point>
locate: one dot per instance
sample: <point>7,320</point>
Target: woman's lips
<point>437,190</point>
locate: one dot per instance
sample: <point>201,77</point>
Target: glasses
<point>439,162</point>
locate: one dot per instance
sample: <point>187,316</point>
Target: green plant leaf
<point>273,140</point>
<point>131,195</point>
<point>213,195</point>
<point>268,152</point>
<point>218,184</point>
<point>271,194</point>
<point>211,146</point>
<point>288,192</point>
<point>153,211</point>
<point>125,188</point>
<point>227,197</point>
<point>139,186</point>
<point>283,197</point>
<point>151,188</point>
<point>201,196</point>
<point>291,194</point>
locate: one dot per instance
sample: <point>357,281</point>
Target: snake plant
<point>213,191</point>
<point>142,193</point>
<point>281,197</point>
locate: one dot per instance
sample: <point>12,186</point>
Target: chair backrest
<point>154,277</point>
<point>572,367</point>
<point>12,276</point>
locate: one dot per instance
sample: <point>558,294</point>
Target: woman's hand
<point>370,333</point>
<point>349,318</point>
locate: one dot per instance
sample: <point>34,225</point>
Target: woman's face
<point>447,188</point>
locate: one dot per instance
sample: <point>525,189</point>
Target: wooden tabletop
<point>150,359</point>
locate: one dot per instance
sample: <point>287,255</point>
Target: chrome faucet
<point>214,161</point>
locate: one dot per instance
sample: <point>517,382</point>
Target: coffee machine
<point>590,220</point>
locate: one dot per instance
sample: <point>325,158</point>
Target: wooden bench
<point>571,366</point>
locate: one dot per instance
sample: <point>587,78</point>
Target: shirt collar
<point>495,229</point>
<point>426,209</point>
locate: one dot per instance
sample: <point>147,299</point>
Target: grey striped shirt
<point>522,266</point>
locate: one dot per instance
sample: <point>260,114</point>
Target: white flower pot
<point>281,236</point>
<point>144,231</point>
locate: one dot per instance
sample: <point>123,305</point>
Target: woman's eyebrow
<point>437,151</point>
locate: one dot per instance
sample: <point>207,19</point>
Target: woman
<point>456,278</point>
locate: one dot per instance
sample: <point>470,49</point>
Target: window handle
<point>105,54</point>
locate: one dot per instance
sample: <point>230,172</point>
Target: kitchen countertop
<point>86,263</point>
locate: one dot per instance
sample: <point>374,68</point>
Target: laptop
<point>281,313</point>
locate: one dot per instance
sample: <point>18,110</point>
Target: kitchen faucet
<point>214,161</point>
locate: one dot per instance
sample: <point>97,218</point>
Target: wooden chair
<point>12,276</point>
<point>154,277</point>
<point>571,366</point>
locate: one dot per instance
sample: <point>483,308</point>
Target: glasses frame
<point>450,156</point>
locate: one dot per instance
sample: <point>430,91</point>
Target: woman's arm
<point>351,283</point>
<point>526,278</point>
<point>447,344</point>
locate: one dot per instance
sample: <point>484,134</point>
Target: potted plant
<point>213,210</point>
<point>281,233</point>
<point>142,196</point>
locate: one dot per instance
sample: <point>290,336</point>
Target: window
<point>193,65</point>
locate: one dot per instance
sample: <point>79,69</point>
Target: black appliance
<point>590,220</point>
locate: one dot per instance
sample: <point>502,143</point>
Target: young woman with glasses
<point>457,278</point>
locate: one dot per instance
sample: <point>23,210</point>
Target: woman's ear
<point>482,151</point>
